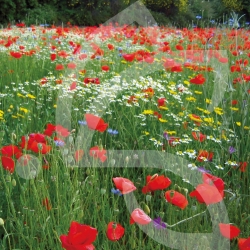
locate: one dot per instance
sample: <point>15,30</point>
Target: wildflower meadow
<point>124,137</point>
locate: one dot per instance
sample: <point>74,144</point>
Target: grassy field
<point>97,123</point>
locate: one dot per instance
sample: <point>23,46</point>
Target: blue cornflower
<point>112,132</point>
<point>198,17</point>
<point>116,191</point>
<point>82,123</point>
<point>59,143</point>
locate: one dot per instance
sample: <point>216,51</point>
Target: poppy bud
<point>127,159</point>
<point>112,162</point>
<point>185,191</point>
<point>103,190</point>
<point>13,136</point>
<point>146,209</point>
<point>8,178</point>
<point>116,211</point>
<point>88,172</point>
<point>70,139</point>
<point>1,222</point>
<point>148,197</point>
<point>13,182</point>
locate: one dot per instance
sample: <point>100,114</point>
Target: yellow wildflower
<point>20,95</point>
<point>30,96</point>
<point>148,112</point>
<point>191,99</point>
<point>208,101</point>
<point>162,120</point>
<point>24,110</point>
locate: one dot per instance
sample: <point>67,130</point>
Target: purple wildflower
<point>159,224</point>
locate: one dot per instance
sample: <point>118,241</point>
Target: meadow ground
<point>124,138</point>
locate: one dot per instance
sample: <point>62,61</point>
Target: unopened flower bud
<point>146,209</point>
<point>13,182</point>
<point>112,162</point>
<point>103,190</point>
<point>1,222</point>
<point>148,197</point>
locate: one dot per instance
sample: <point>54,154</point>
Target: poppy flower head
<point>229,231</point>
<point>124,185</point>
<point>176,199</point>
<point>95,123</point>
<point>115,231</point>
<point>156,182</point>
<point>140,217</point>
<point>79,237</point>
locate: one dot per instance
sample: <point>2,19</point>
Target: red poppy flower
<point>140,217</point>
<point>53,57</point>
<point>129,57</point>
<point>95,123</point>
<point>105,68</point>
<point>176,68</point>
<point>211,179</point>
<point>91,80</point>
<point>229,231</point>
<point>80,237</point>
<point>156,182</point>
<point>73,86</point>
<point>39,147</point>
<point>96,152</point>
<point>198,136</point>
<point>8,164</point>
<point>199,79</point>
<point>59,67</point>
<point>49,129</point>
<point>205,156</point>
<point>71,65</point>
<point>243,166</point>
<point>16,54</point>
<point>235,68</point>
<point>62,53</point>
<point>176,198</point>
<point>149,92</point>
<point>205,193</point>
<point>179,47</point>
<point>124,185</point>
<point>61,131</point>
<point>157,114</point>
<point>244,244</point>
<point>234,102</point>
<point>82,56</point>
<point>114,231</point>
<point>161,102</point>
<point>133,99</point>
<point>11,150</point>
<point>110,46</point>
<point>169,63</point>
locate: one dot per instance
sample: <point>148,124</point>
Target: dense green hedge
<point>93,12</point>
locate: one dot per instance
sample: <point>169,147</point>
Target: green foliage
<point>94,12</point>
